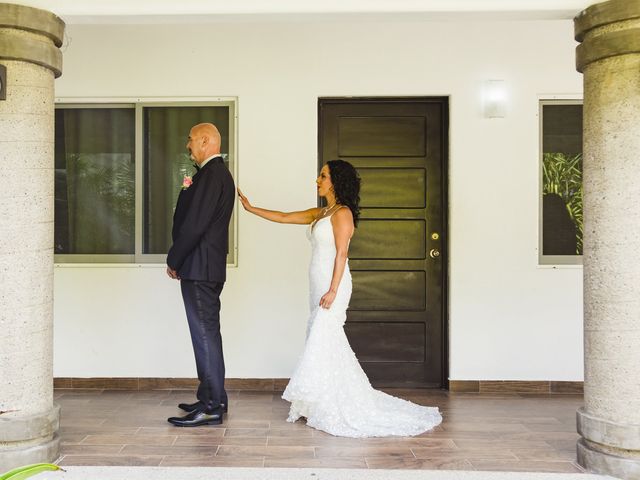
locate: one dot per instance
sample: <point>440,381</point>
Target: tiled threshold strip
<point>208,473</point>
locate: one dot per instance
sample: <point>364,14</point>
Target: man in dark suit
<point>198,258</point>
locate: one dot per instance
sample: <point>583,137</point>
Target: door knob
<point>434,253</point>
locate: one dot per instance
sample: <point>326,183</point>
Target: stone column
<point>609,57</point>
<point>29,41</point>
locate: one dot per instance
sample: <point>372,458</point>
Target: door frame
<point>444,102</point>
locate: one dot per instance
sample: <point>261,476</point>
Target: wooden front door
<point>396,322</point>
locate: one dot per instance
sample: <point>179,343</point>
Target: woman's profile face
<point>323,182</point>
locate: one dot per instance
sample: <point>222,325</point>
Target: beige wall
<point>509,318</point>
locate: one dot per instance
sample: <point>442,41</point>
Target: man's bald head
<point>204,141</point>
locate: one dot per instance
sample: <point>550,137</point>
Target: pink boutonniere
<point>186,182</point>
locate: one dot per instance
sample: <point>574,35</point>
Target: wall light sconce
<point>494,96</point>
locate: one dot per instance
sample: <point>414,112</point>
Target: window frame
<point>138,258</point>
<point>552,261</point>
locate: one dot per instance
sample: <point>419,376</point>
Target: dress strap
<point>313,224</point>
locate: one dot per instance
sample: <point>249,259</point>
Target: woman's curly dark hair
<point>346,186</point>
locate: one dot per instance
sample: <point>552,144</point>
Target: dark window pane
<point>94,181</point>
<point>166,162</point>
<point>562,179</point>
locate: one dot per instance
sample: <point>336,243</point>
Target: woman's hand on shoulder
<point>244,200</point>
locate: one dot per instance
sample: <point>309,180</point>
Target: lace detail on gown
<point>328,387</point>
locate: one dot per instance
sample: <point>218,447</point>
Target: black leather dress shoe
<point>196,419</point>
<point>192,407</point>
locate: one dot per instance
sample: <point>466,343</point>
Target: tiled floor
<point>479,432</point>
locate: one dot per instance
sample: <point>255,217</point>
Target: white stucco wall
<point>509,318</point>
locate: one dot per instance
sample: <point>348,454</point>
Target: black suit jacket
<point>201,225</point>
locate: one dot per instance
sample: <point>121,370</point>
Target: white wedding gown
<point>328,387</point>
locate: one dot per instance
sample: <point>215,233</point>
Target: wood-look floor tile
<point>556,427</point>
<point>78,421</point>
<point>110,460</point>
<point>267,452</point>
<point>312,442</point>
<point>187,461</point>
<point>563,444</point>
<point>75,449</point>
<point>185,440</point>
<point>71,438</point>
<point>96,430</point>
<point>499,443</point>
<point>139,421</point>
<point>546,454</point>
<point>471,418</point>
<point>372,451</point>
<point>129,439</point>
<point>459,454</point>
<point>207,451</point>
<point>419,464</point>
<point>502,431</point>
<point>540,435</point>
<point>338,462</point>
<point>110,394</point>
<point>246,432</point>
<point>290,432</point>
<point>208,430</point>
<point>317,441</point>
<point>484,427</point>
<point>525,466</point>
<point>244,423</point>
<point>157,394</point>
<point>257,393</point>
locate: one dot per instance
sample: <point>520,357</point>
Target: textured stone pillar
<point>29,41</point>
<point>609,57</point>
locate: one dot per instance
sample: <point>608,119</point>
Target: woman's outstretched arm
<point>303,217</point>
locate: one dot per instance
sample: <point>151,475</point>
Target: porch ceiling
<point>161,11</point>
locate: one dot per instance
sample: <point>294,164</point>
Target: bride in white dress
<point>328,387</point>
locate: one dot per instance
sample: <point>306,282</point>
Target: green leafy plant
<point>27,471</point>
<point>562,175</point>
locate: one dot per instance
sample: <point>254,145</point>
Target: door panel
<point>383,136</point>
<point>397,316</point>
<point>387,342</point>
<point>392,187</point>
<point>391,291</point>
<point>388,239</point>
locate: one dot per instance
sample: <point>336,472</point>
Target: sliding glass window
<point>95,182</point>
<point>119,170</point>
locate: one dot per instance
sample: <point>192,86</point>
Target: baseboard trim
<point>132,383</point>
<point>516,386</point>
<point>279,384</point>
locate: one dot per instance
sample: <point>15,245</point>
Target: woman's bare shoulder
<point>342,215</point>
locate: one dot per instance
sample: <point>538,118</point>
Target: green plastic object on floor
<point>27,471</point>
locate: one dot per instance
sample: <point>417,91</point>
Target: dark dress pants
<point>202,304</point>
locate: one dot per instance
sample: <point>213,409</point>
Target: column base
<point>30,439</point>
<point>43,453</point>
<point>606,463</point>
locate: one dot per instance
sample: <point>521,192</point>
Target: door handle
<point>434,253</point>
